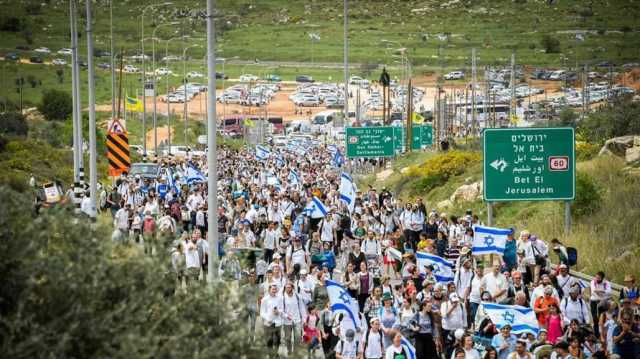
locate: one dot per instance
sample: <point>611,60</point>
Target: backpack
<point>366,340</point>
<point>148,225</point>
<point>572,256</point>
<point>342,347</point>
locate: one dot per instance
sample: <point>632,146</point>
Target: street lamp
<point>184,85</point>
<point>153,69</point>
<point>144,79</point>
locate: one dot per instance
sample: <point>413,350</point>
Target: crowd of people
<point>284,249</point>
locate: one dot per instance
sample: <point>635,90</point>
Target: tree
<point>550,44</point>
<point>13,123</point>
<point>85,297</point>
<point>619,117</point>
<point>56,105</point>
<point>60,74</point>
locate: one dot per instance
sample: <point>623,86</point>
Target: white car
<point>65,51</point>
<point>248,78</point>
<point>309,101</point>
<point>171,58</point>
<point>355,80</point>
<point>59,62</point>
<point>139,57</point>
<point>454,75</point>
<point>42,50</point>
<point>194,74</point>
<point>163,71</point>
<point>130,69</point>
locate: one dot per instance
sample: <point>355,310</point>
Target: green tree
<point>619,117</point>
<point>68,292</point>
<point>56,105</point>
<point>588,196</point>
<point>13,123</point>
<point>550,44</point>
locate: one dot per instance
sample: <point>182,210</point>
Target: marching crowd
<point>290,237</point>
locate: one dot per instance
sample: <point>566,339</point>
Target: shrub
<point>446,164</point>
<point>56,105</point>
<point>13,24</point>
<point>32,80</point>
<point>550,44</point>
<point>586,150</point>
<point>13,123</point>
<point>588,196</point>
<point>619,117</point>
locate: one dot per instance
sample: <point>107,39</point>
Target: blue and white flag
<point>489,240</point>
<point>316,209</point>
<point>294,178</point>
<point>332,148</point>
<point>348,191</point>
<point>280,161</point>
<point>194,176</point>
<point>442,268</point>
<point>342,302</point>
<point>408,348</point>
<point>338,159</point>
<point>262,153</point>
<point>171,181</point>
<point>521,319</point>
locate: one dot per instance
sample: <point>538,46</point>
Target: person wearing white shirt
<point>194,201</point>
<point>565,280</point>
<point>121,219</point>
<point>600,290</point>
<point>296,257</point>
<point>538,291</point>
<point>252,214</point>
<point>271,314</point>
<point>270,241</point>
<point>192,261</point>
<point>294,313</point>
<point>347,348</point>
<point>496,284</point>
<point>574,307</point>
<point>396,350</point>
<point>371,247</point>
<point>328,227</point>
<point>371,346</point>
<point>305,286</point>
<point>462,280</point>
<point>474,294</point>
<point>454,316</point>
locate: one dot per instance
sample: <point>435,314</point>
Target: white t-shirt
<point>347,349</point>
<point>192,259</point>
<point>374,347</point>
<point>392,350</point>
<point>494,284</point>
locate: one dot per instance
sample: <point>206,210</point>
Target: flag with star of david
<point>488,240</point>
<point>521,319</point>
<point>342,302</point>
<point>442,268</point>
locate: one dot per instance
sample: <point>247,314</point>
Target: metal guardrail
<point>616,288</point>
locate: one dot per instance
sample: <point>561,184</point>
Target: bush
<point>588,196</point>
<point>619,117</point>
<point>446,164</point>
<point>13,24</point>
<point>13,124</point>
<point>86,298</point>
<point>550,44</point>
<point>56,105</point>
<point>586,150</point>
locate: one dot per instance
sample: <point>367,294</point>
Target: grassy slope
<point>607,240</point>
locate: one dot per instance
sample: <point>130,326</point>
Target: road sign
<point>118,149</point>
<point>149,89</point>
<point>529,164</point>
<point>422,136</point>
<point>370,141</point>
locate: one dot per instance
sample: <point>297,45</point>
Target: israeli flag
<point>171,181</point>
<point>316,209</point>
<point>342,302</point>
<point>408,348</point>
<point>442,268</point>
<point>332,148</point>
<point>521,319</point>
<point>194,176</point>
<point>489,240</point>
<point>348,191</point>
<point>280,161</point>
<point>338,159</point>
<point>262,153</point>
<point>294,178</point>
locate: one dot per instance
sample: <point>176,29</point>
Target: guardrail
<point>615,288</point>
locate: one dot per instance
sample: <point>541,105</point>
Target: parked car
<point>83,64</point>
<point>355,80</point>
<point>248,78</point>
<point>12,56</point>
<point>220,76</point>
<point>304,78</point>
<point>42,50</point>
<point>65,51</point>
<point>101,53</point>
<point>104,65</point>
<point>36,60</point>
<point>194,74</point>
<point>130,69</point>
<point>23,47</point>
<point>163,71</point>
<point>273,78</point>
<point>59,62</point>
<point>140,57</point>
<point>454,75</point>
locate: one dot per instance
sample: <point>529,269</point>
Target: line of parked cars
<point>184,93</point>
<point>246,95</point>
<point>317,94</point>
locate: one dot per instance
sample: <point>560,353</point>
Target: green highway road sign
<point>529,164</point>
<point>422,136</point>
<point>369,141</point>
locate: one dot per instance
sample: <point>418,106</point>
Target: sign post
<point>530,164</point>
<point>369,141</point>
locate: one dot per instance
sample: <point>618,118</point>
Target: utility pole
<point>585,101</point>
<point>474,82</point>
<point>93,169</point>
<point>512,84</point>
<point>345,16</point>
<point>77,146</point>
<point>113,70</point>
<point>409,135</point>
<point>212,175</point>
